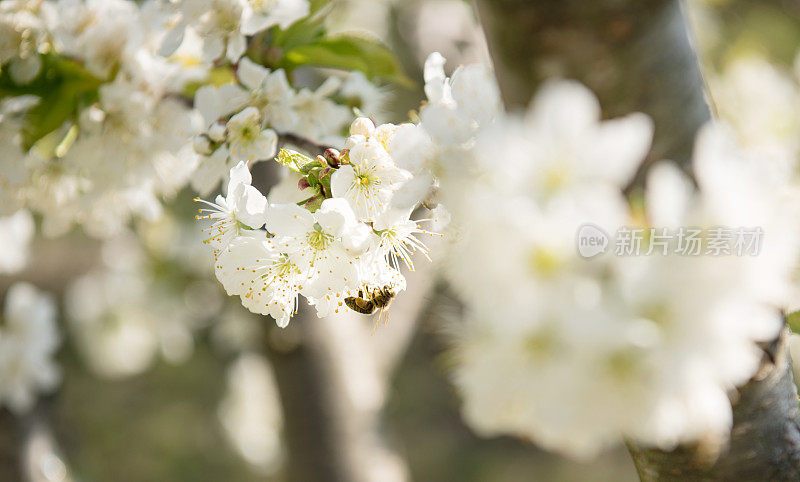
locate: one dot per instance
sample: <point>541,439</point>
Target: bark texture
<point>634,54</point>
<point>764,443</point>
<point>637,55</point>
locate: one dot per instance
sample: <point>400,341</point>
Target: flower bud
<point>202,144</point>
<point>362,126</point>
<point>332,157</point>
<point>217,132</point>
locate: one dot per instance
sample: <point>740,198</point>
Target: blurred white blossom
<point>28,341</point>
<point>123,315</point>
<point>575,353</point>
<point>16,233</point>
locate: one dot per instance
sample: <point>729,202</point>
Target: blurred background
<point>166,378</point>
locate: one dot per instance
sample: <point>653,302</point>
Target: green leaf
<point>293,160</point>
<point>55,108</point>
<point>306,31</point>
<point>316,5</point>
<point>313,178</point>
<point>793,320</point>
<point>350,52</point>
<point>314,203</point>
<point>63,86</point>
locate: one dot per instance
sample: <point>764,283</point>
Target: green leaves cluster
<point>63,86</point>
<point>316,176</point>
<point>306,43</point>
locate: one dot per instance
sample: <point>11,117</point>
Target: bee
<point>369,301</point>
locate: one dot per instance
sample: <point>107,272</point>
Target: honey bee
<point>369,301</point>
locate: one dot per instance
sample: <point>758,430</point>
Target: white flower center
<point>318,239</point>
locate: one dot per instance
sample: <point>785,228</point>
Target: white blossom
<point>322,244</point>
<point>261,14</point>
<point>575,353</point>
<point>243,208</point>
<point>369,180</point>
<point>247,140</point>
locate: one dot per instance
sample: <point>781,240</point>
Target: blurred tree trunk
<point>12,443</point>
<point>333,376</point>
<point>636,55</point>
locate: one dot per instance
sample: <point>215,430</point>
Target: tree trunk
<point>636,55</point>
<point>633,54</point>
<point>12,444</point>
<point>332,378</point>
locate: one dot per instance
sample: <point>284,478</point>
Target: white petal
<point>620,147</point>
<point>668,195</point>
<point>236,46</point>
<point>341,180</point>
<point>250,74</point>
<point>289,220</point>
<point>334,215</point>
<point>413,192</point>
<point>172,40</point>
<point>251,207</point>
<point>565,109</point>
<point>239,174</point>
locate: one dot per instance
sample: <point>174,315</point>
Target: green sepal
<point>314,203</point>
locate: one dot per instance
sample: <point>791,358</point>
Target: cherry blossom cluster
<point>126,148</point>
<point>332,230</point>
<point>223,25</point>
<point>135,66</point>
<point>242,119</point>
<point>577,353</point>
